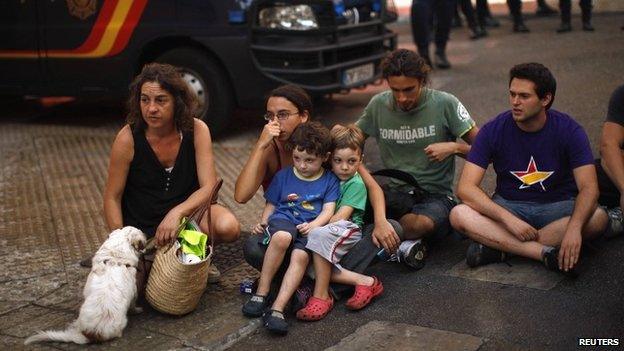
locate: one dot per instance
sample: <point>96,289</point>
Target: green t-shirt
<point>403,135</point>
<point>353,194</point>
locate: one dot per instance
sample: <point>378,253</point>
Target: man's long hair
<point>170,79</point>
<point>403,62</point>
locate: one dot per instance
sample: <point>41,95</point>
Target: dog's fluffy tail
<point>68,335</point>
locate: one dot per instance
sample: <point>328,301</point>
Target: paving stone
<point>520,272</point>
<point>28,320</point>
<point>379,335</point>
<point>17,344</point>
<point>31,289</point>
<point>8,306</point>
<point>19,264</point>
<point>134,338</point>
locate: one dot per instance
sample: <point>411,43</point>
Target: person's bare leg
<point>322,273</point>
<point>299,260</point>
<point>416,226</point>
<point>280,241</point>
<point>552,234</point>
<point>347,277</point>
<point>492,234</point>
<point>225,226</point>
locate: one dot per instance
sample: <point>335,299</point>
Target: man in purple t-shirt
<point>546,190</point>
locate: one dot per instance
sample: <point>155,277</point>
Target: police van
<point>231,52</point>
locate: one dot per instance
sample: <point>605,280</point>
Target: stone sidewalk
<point>51,186</point>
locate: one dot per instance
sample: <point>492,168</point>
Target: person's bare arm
<point>584,206</point>
<point>612,159</point>
<point>321,220</point>
<point>343,213</point>
<point>122,152</point>
<point>471,194</point>
<point>252,174</point>
<point>440,151</point>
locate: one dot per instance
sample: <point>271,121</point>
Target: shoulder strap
<point>398,174</point>
<point>205,209</point>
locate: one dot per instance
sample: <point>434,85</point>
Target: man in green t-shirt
<point>416,128</point>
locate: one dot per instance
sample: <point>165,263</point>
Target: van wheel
<point>208,80</point>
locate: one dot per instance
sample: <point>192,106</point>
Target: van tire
<point>207,78</point>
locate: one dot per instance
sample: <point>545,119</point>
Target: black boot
<point>587,26</point>
<point>520,28</point>
<point>564,27</point>
<point>477,32</point>
<point>441,61</point>
<point>543,10</point>
<point>492,22</point>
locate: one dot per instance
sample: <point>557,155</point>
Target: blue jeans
<point>536,214</point>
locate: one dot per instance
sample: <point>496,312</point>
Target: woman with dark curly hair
<point>161,166</point>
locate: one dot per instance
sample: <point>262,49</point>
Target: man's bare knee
<point>458,216</point>
<point>597,223</point>
<point>416,224</point>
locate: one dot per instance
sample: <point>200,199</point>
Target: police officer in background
<point>566,9</point>
<point>422,14</point>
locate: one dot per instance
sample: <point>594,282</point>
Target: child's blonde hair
<point>347,137</point>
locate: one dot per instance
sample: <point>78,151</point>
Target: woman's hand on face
<point>271,130</point>
<point>167,230</point>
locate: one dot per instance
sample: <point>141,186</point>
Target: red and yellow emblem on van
<point>109,35</point>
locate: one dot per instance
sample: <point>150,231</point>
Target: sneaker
<point>214,276</point>
<point>615,226</point>
<point>480,255</point>
<point>550,257</point>
<point>255,306</point>
<point>275,322</point>
<point>412,253</point>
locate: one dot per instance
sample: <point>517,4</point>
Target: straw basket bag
<point>173,287</point>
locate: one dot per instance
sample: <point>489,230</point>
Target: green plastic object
<point>192,240</point>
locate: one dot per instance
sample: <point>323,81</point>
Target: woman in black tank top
<point>161,166</point>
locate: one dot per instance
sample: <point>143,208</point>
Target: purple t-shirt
<point>533,166</point>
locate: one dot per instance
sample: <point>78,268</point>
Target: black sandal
<point>255,306</point>
<point>275,322</point>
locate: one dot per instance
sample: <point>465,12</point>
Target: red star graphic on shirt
<point>532,175</point>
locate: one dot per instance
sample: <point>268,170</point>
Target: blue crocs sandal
<point>275,322</point>
<point>255,306</point>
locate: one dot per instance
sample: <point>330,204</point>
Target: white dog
<point>109,293</point>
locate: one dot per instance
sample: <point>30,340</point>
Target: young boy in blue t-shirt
<point>299,199</point>
<point>331,242</point>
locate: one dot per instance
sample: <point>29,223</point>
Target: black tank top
<point>150,190</point>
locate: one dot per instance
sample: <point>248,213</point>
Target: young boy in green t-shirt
<point>332,241</point>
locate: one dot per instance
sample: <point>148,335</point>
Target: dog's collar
<point>113,263</point>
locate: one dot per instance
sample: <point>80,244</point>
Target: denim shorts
<point>537,214</point>
<point>275,225</point>
<point>436,207</point>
